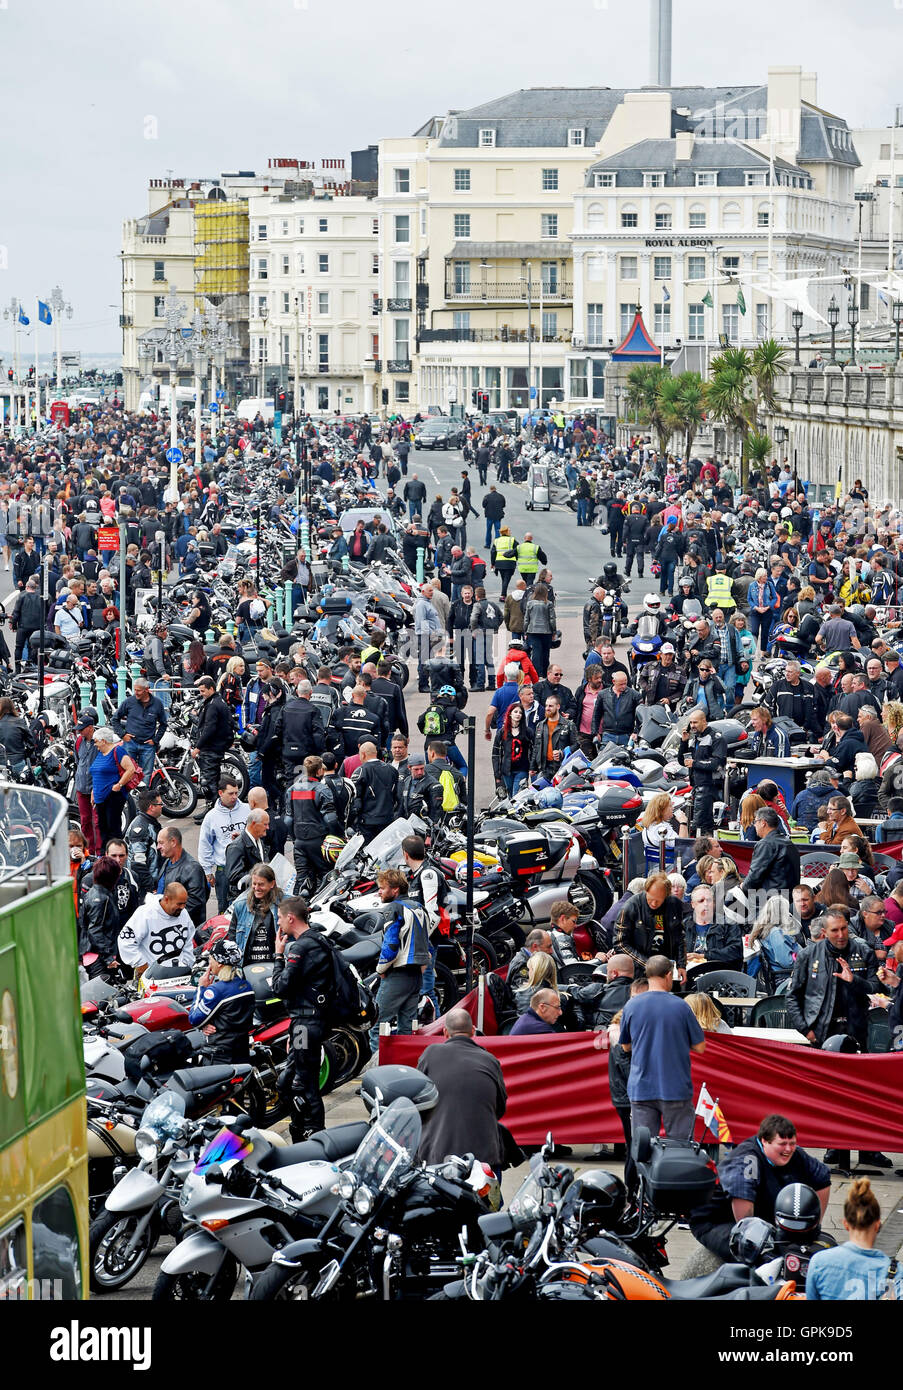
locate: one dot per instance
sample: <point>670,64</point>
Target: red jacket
<point>523,661</point>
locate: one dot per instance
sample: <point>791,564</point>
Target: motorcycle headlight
<point>190,1186</point>
<point>345,1187</point>
<point>363,1201</point>
<point>147,1142</point>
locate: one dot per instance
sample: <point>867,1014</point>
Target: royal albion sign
<point>679,241</point>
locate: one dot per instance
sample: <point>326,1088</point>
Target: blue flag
<point>22,316</point>
<point>44,314</point>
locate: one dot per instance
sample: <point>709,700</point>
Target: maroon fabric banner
<point>560,1083</point>
<point>741,851</point>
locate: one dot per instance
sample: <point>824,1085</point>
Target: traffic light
<point>475,398</point>
<point>9,373</point>
<point>31,370</point>
<point>280,401</point>
<point>271,386</point>
<point>385,396</point>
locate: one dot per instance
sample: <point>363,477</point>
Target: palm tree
<point>768,361</point>
<point>643,384</point>
<point>727,394</point>
<point>758,448</point>
<point>692,405</point>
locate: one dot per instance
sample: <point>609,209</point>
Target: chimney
<point>660,43</point>
<point>809,88</point>
<point>683,145</point>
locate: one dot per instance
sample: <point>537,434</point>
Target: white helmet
<point>652,603</point>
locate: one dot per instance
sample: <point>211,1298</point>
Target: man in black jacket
<point>141,840</point>
<point>711,945</point>
<point>552,685</point>
<point>606,993</point>
<point>775,864</point>
<point>636,536</point>
<point>304,977</point>
<point>415,495</point>
<point>26,562</point>
<point>375,793</point>
<point>614,716</point>
<point>176,865</point>
<point>388,690</point>
<point>662,682</point>
<point>704,752</point>
<point>472,1096</point>
<point>302,729</point>
<point>459,615</point>
<point>651,924</point>
<point>831,983</point>
<point>27,620</point>
<point>212,738</point>
<point>247,851</point>
<point>314,816</point>
<point>793,698</point>
<point>354,724</point>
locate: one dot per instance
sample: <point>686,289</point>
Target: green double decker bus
<point>43,1143</point>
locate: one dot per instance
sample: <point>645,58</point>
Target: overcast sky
<point>230,83</point>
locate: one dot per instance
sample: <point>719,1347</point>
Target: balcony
<point>507,292</point>
<point>423,296</point>
<point>398,306</point>
<point>398,364</point>
<point>333,369</point>
<point>490,335</point>
<point>377,306</point>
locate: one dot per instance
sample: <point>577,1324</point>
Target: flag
<point>665,295</point>
<point>706,1107</point>
<point>707,300</point>
<point>882,296</point>
<point>741,302</point>
<point>724,1134</point>
<point>22,317</point>
<point>838,490</point>
<point>44,314</point>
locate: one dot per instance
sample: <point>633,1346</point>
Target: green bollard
<point>84,693</point>
<point>346,563</point>
<point>289,605</point>
<point>210,635</point>
<point>420,559</point>
<point>136,671</point>
<point>280,610</point>
<point>122,680</point>
<point>100,691</point>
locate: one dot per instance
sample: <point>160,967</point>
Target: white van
<point>265,406</point>
<point>147,401</point>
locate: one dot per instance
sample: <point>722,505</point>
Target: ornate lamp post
<point>833,321</point>
<point>796,318</point>
<point>852,320</point>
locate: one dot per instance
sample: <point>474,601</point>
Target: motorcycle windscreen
<point>224,1148</point>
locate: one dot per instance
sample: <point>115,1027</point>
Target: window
<point>662,319</point>
<point>730,322</point>
<point>402,227</point>
<point>864,295</point>
<point>159,270</point>
<point>261,349</point>
<point>575,136</point>
<point>594,325</point>
<point>762,329</point>
<point>628,267</point>
<point>461,320</point>
<point>549,224</point>
<point>323,264</point>
<point>262,265</point>
<point>263,306</point>
<point>54,1241</point>
<point>401,279</point>
<point>374,302</point>
<point>604,180</point>
<point>661,267</point>
<point>653,180</point>
<point>761,262</point>
<point>578,379</point>
<point>374,226</point>
<point>706,178</point>
<point>597,384</point>
<point>731,215</point>
<point>285,226</point>
<point>402,391</point>
<point>730,262</point>
<point>550,277</point>
<point>462,225</point>
<point>549,326</point>
<point>402,330</point>
<point>696,321</point>
<point>285,302</point>
<point>323,349</point>
<point>374,344</point>
<point>462,277</point>
<point>627,314</point>
<point>158,306</point>
<point>402,180</point>
<point>423,222</point>
<point>285,265</point>
<point>322,301</point>
<point>374,266</point>
<point>462,180</point>
<point>286,347</point>
<point>696,267</point>
<point>762,217</point>
<point>322,224</point>
<point>300,226</point>
<point>261,231</point>
<point>697,217</point>
<point>550,180</point>
<point>662,221</point>
<point>629,218</point>
<point>493,377</point>
<point>300,262</point>
<point>595,218</point>
<point>487,137</point>
<point>322,397</point>
<point>756,179</point>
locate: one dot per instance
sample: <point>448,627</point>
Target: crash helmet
<point>752,1239</point>
<point>550,797</point>
<point>652,603</point>
<point>248,739</point>
<point>226,952</point>
<point>686,579</point>
<point>331,848</point>
<point>610,569</point>
<point>840,1042</point>
<point>603,1198</point>
<point>797,1211</point>
<point>447,692</point>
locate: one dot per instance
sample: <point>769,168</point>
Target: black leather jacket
<point>303,977</point>
<point>99,923</point>
<point>813,987</point>
<point>635,930</point>
<point>141,839</point>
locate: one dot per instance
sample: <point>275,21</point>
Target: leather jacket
<point>98,927</point>
<point>813,987</point>
<point>303,977</point>
<point>141,839</point>
<point>635,929</point>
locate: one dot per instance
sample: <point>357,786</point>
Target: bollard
<point>209,635</point>
<point>136,670</point>
<point>280,609</point>
<point>289,604</point>
<point>421,553</point>
<point>122,680</point>
<point>626,833</point>
<point>346,563</point>
<point>231,628</point>
<point>84,693</point>
<point>100,691</point>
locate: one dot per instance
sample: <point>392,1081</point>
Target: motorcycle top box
<point>388,1083</point>
<point>613,802</point>
<point>677,1177</point>
<point>525,855</point>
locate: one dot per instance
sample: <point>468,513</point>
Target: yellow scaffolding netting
<point>222,257</point>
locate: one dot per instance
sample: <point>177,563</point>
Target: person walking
<point>529,558</point>
<point>503,557</point>
<point>404,956</point>
<point>222,824</point>
<point>658,1033</point>
<point>111,772</point>
<point>212,737</point>
<point>540,625</point>
<point>493,510</point>
<point>472,1096</point>
<point>303,977</point>
<point>141,722</point>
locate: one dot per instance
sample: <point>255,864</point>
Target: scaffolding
<point>222,262</point>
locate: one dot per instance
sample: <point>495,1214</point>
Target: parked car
<point>439,433</point>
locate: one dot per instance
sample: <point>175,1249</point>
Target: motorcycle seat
<point>363,954</point>
<point>726,1279</point>
<point>207,1078</point>
<point>331,1144</point>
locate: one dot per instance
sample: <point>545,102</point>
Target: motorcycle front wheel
<point>179,794</point>
<point>197,1287</point>
<point>344,1055</point>
<point>110,1233</point>
<point>281,1284</point>
<point>237,768</point>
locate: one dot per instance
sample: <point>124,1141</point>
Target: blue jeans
<point>514,781</point>
<point>666,582</point>
<point>582,511</point>
<point>255,768</point>
<point>413,509</point>
<point>142,753</point>
<point>161,689</point>
<point>397,996</point>
<point>455,757</point>
<point>621,740</point>
<point>493,528</point>
<point>428,983</point>
<point>727,674</point>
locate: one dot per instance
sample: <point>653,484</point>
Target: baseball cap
<point>87,717</point>
<point>416,760</point>
<point>666,650</point>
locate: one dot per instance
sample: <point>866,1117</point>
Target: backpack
<point>351,1004</point>
<point>450,798</point>
<point>434,722</point>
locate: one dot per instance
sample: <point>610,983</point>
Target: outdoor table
<point>790,774</point>
<point>734,1001</point>
<point>789,1035</point>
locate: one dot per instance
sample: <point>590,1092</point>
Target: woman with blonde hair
<point>708,1015</point>
<point>541,974</point>
<point>892,717</point>
<point>229,685</point>
<point>855,1272</point>
<point>655,821</point>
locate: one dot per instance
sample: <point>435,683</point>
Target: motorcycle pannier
<point>525,855</point>
<point>166,1051</point>
<point>677,1177</point>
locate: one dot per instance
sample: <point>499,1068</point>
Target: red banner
<point>560,1083</point>
<point>108,538</point>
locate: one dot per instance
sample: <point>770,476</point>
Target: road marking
<point>434,473</point>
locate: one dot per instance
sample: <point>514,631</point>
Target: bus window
<point>54,1244</point>
<point>13,1260</point>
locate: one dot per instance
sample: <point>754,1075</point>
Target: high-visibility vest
<point>528,557</point>
<point>719,592</point>
<point>504,547</point>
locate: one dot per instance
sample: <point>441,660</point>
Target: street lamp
<point>59,306</point>
<point>898,319</point>
<point>833,321</point>
<point>796,318</point>
<point>852,320</point>
<point>618,394</point>
<point>261,362</point>
<point>200,356</point>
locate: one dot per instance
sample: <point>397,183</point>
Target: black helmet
<point>840,1042</point>
<point>797,1211</point>
<point>609,569</point>
<point>248,738</point>
<point>603,1197</point>
<point>752,1239</point>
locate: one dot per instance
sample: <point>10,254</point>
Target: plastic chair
<point>770,1012</point>
<point>741,986</point>
<point>880,1033</point>
<point>817,864</point>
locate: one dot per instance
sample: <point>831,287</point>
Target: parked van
<point>148,401</point>
<point>265,406</point>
